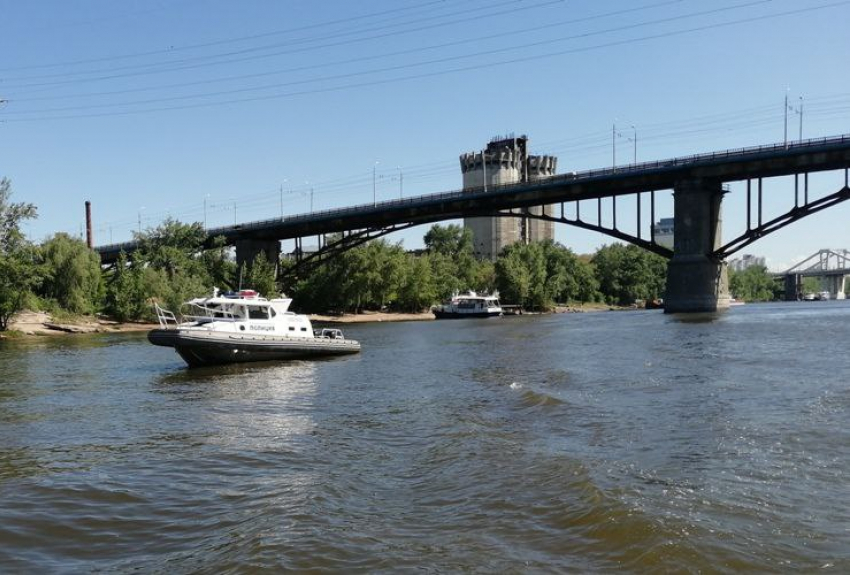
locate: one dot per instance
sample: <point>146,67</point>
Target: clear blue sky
<point>150,108</point>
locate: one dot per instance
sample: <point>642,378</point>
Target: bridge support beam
<point>837,287</point>
<point>793,287</point>
<point>248,249</point>
<point>696,281</point>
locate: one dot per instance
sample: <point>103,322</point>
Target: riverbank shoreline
<point>30,323</point>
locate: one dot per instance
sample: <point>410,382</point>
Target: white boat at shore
<point>469,305</point>
<point>241,327</point>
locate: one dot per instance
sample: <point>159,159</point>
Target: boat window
<point>291,328</point>
<point>257,312</point>
<point>303,329</point>
<point>272,312</point>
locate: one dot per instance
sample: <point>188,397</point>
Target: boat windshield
<point>258,312</point>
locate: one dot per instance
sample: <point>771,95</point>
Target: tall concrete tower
<point>506,161</point>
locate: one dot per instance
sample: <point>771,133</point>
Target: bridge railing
<point>630,169</point>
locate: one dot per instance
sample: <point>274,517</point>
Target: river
<point>561,443</point>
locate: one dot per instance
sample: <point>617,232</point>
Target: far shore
<point>30,323</point>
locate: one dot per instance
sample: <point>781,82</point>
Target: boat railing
<point>203,314</point>
<point>164,317</point>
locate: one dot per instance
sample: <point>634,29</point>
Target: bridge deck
<point>726,166</point>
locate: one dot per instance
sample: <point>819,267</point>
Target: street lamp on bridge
<point>614,135</point>
<point>374,183</point>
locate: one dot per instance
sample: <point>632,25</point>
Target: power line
<point>596,142</point>
<point>473,67</point>
<point>465,40</point>
<point>335,43</point>
<point>431,62</point>
<point>173,49</point>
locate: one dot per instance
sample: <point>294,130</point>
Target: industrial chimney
<point>89,240</point>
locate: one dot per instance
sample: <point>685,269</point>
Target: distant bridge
<point>697,273</point>
<point>833,266</point>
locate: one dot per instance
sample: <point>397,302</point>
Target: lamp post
<point>786,117</point>
<point>281,198</point>
<point>206,197</point>
<point>374,183</point>
<point>484,166</point>
<point>140,219</point>
<point>796,110</point>
<point>614,144</point>
<point>614,135</point>
<point>400,183</point>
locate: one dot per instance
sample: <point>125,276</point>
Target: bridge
<point>697,278</point>
<point>832,266</point>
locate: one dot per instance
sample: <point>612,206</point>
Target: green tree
<point>417,290</point>
<point>752,284</point>
<point>219,267</point>
<point>125,291</point>
<point>19,271</point>
<point>811,285</point>
<point>539,274</point>
<point>453,264</point>
<point>261,276</point>
<point>72,275</point>
<point>628,273</point>
<point>169,266</point>
<point>514,276</point>
<point>451,240</point>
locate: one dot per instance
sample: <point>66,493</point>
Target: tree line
<point>172,265</point>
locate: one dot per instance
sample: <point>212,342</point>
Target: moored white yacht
<point>241,327</point>
<point>469,304</point>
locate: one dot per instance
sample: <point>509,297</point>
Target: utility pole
<point>614,145</point>
<point>635,142</point>
<point>374,183</point>
<point>786,118</point>
<point>484,165</point>
<point>205,211</point>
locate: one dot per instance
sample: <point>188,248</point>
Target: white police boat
<point>241,326</point>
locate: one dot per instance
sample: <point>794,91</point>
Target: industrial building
<point>746,261</point>
<point>506,161</point>
<point>663,232</point>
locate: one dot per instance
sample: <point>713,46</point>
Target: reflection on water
<point>578,442</point>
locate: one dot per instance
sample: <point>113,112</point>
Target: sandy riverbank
<point>374,316</point>
<point>42,324</point>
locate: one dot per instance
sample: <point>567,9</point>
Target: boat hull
<point>455,315</point>
<point>200,348</point>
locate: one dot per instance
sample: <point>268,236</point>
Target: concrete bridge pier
<point>837,285</point>
<point>248,249</point>
<point>696,282</point>
<point>793,287</point>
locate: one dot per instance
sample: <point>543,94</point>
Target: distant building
<point>506,161</point>
<point>663,232</point>
<point>746,261</point>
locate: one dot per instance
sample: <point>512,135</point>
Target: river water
<point>562,443</point>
